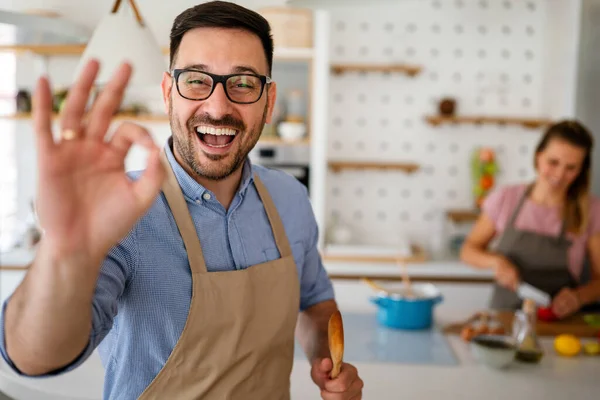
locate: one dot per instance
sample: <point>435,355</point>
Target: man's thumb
<point>326,365</point>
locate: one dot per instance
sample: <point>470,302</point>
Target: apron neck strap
<point>283,245</point>
<point>513,217</point>
<point>563,228</point>
<point>183,218</point>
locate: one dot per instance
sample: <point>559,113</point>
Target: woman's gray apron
<point>541,260</point>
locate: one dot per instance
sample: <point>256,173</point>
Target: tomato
<point>546,314</point>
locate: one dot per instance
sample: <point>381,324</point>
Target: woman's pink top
<point>501,203</point>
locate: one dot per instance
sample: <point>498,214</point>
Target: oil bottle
<point>528,346</point>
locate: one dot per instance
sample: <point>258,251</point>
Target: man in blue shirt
<point>192,276</point>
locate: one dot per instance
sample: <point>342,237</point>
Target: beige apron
<point>238,340</point>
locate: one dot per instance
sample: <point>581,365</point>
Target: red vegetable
<point>546,314</point>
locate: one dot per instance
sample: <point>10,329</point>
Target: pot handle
<point>378,301</point>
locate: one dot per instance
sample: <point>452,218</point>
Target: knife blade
<point>527,291</point>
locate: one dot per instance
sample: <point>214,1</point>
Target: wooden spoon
<point>406,280</point>
<point>336,342</point>
<point>378,288</point>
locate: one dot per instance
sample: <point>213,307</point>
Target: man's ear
<point>167,86</point>
<point>271,99</point>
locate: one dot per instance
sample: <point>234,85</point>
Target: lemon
<point>591,348</point>
<point>567,345</point>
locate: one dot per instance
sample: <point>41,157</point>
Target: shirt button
<point>206,196</point>
<point>198,201</point>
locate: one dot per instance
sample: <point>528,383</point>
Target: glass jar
<point>524,330</point>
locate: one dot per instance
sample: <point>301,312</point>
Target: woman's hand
<point>506,273</point>
<point>565,303</point>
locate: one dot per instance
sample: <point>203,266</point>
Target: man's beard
<point>184,141</point>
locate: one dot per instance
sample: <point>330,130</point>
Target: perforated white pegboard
<point>487,54</point>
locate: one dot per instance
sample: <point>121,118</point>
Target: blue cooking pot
<point>400,312</point>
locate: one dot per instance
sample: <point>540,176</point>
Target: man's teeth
<point>215,131</point>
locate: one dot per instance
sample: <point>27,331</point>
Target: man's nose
<point>218,105</point>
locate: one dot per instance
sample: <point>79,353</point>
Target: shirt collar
<point>192,189</point>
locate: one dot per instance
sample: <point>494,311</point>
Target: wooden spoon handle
<point>406,279</point>
<point>378,288</point>
<point>337,367</point>
<point>373,285</point>
<point>336,342</point>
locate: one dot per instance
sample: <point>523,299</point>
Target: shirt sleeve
<point>315,285</point>
<point>116,271</point>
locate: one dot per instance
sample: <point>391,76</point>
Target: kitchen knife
<point>527,291</point>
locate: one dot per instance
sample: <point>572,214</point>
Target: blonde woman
<point>545,229</point>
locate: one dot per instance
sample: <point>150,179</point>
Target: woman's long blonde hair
<point>576,208</point>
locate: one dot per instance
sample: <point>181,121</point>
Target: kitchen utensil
<point>401,312</point>
<point>336,342</point>
<point>406,280</point>
<point>496,351</point>
<point>379,288</point>
<point>527,291</point>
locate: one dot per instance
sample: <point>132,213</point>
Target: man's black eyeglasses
<point>239,88</point>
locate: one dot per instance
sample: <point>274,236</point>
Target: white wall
<point>588,75</point>
<point>383,208</point>
<point>504,58</point>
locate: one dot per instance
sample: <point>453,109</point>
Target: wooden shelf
<point>161,119</point>
<point>279,141</point>
<point>337,166</point>
<point>291,53</point>
<point>532,123</point>
<point>46,50</point>
<point>118,117</point>
<point>461,216</point>
<point>283,53</point>
<point>410,70</point>
<point>418,256</point>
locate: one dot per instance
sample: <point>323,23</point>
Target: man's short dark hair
<point>221,14</point>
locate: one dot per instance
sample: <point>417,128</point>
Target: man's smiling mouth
<point>216,137</point>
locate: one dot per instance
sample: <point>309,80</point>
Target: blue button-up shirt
<point>144,288</point>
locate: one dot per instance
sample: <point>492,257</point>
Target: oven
<point>292,159</point>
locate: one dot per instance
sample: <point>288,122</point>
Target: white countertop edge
<point>437,268</point>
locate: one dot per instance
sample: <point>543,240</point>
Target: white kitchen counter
<point>555,378</point>
<point>436,269</point>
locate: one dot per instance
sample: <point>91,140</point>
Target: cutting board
<point>574,325</point>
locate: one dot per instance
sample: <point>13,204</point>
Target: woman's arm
<point>474,249</point>
<point>474,252</point>
<point>590,292</point>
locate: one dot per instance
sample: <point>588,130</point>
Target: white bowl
<point>496,351</point>
<point>291,130</point>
